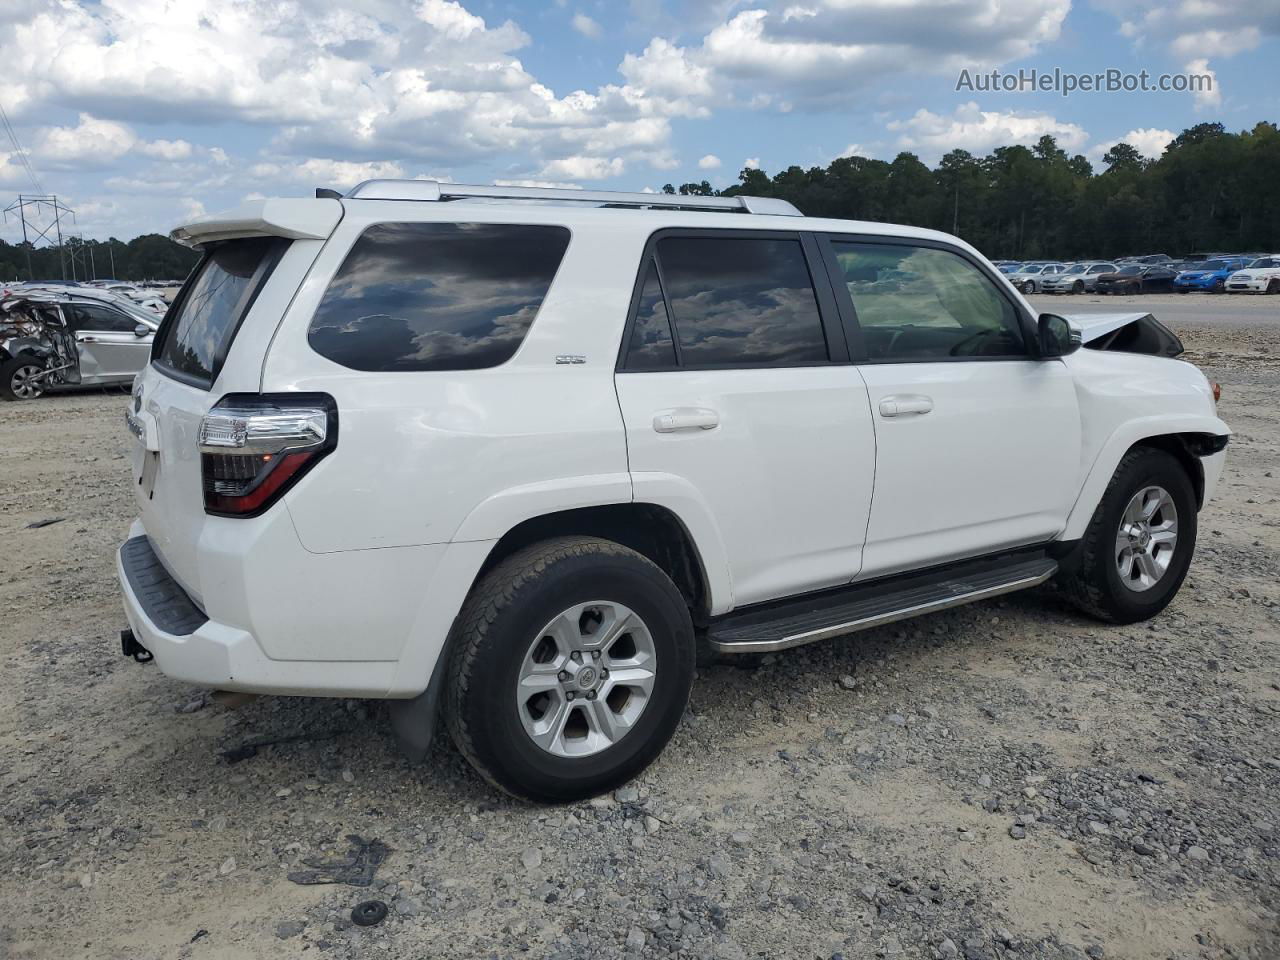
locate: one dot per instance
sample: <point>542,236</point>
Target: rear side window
<point>651,344</point>
<point>741,301</point>
<point>194,339</point>
<point>436,296</point>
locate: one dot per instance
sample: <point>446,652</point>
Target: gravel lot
<point>1003,780</point>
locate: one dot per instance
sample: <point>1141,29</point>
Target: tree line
<point>148,257</point>
<point>1210,191</point>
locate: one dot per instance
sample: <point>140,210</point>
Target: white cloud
<point>583,168</point>
<point>327,173</point>
<point>1148,141</point>
<point>709,162</point>
<point>827,51</point>
<point>167,149</point>
<point>1210,95</point>
<point>751,163</point>
<point>1196,30</point>
<point>402,81</point>
<point>585,25</point>
<point>854,150</point>
<point>970,128</point>
<point>90,143</point>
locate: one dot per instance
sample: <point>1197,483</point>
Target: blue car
<point>1210,275</point>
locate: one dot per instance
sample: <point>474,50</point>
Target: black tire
<point>1219,286</point>
<point>1078,287</point>
<point>1273,287</point>
<point>493,634</point>
<point>1095,586</point>
<point>11,374</point>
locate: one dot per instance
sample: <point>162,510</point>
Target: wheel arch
<point>652,530</point>
<point>1188,439</point>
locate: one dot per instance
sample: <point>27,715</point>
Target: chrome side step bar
<point>814,617</point>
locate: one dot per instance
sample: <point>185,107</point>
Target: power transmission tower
<point>31,209</point>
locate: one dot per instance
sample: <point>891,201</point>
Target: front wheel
<point>1138,546</point>
<point>1273,286</point>
<point>1028,286</point>
<point>1078,287</point>
<point>1219,285</point>
<point>21,379</point>
<point>572,665</point>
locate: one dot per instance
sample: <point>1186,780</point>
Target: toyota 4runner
<point>509,456</point>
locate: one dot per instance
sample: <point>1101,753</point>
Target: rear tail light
<point>253,447</point>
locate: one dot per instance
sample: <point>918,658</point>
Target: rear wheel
<point>1138,546</point>
<point>20,379</point>
<point>571,669</point>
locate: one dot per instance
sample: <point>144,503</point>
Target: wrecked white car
<point>50,341</point>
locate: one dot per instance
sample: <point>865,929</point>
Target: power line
<point>17,149</point>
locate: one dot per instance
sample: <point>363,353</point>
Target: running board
<point>818,616</point>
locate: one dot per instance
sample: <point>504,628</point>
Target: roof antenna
<point>324,193</point>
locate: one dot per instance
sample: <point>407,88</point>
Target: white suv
<point>510,455</point>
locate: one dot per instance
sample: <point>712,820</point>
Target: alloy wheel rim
<point>586,678</point>
<point>1147,538</point>
<point>24,383</point>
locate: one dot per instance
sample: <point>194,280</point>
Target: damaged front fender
<point>1126,333</point>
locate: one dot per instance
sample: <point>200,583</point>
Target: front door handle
<point>685,418</point>
<point>904,404</point>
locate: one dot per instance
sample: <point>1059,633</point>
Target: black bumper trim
<point>164,602</point>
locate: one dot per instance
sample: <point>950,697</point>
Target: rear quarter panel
<point>419,452</point>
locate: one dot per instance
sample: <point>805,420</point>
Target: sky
<point>140,114</point>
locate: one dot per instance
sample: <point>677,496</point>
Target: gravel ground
<point>1003,780</point>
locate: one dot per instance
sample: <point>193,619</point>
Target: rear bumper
<point>187,645</point>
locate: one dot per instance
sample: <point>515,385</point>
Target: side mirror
<point>1057,337</point>
<point>142,330</point>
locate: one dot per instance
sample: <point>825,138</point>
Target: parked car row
<point>1149,273</point>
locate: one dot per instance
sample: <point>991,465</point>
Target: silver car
<point>49,340</point>
<point>1078,277</point>
<point>1030,277</point>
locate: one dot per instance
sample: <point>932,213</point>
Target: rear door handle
<point>905,404</point>
<point>685,418</point>
<point>83,339</point>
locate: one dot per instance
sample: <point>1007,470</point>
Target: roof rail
<point>435,190</point>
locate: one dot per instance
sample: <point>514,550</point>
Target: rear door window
<point>741,301</point>
<point>197,332</point>
<point>436,296</point>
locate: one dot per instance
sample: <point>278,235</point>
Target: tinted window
<point>651,344</point>
<point>93,317</point>
<point>736,300</point>
<point>436,296</point>
<point>193,341</point>
<point>920,303</point>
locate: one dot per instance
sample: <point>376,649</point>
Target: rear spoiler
<point>296,219</point>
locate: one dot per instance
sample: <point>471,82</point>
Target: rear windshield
<point>436,296</point>
<point>197,332</point>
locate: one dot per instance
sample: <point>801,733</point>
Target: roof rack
<point>435,190</point>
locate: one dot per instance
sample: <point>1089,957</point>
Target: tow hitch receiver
<point>130,647</point>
